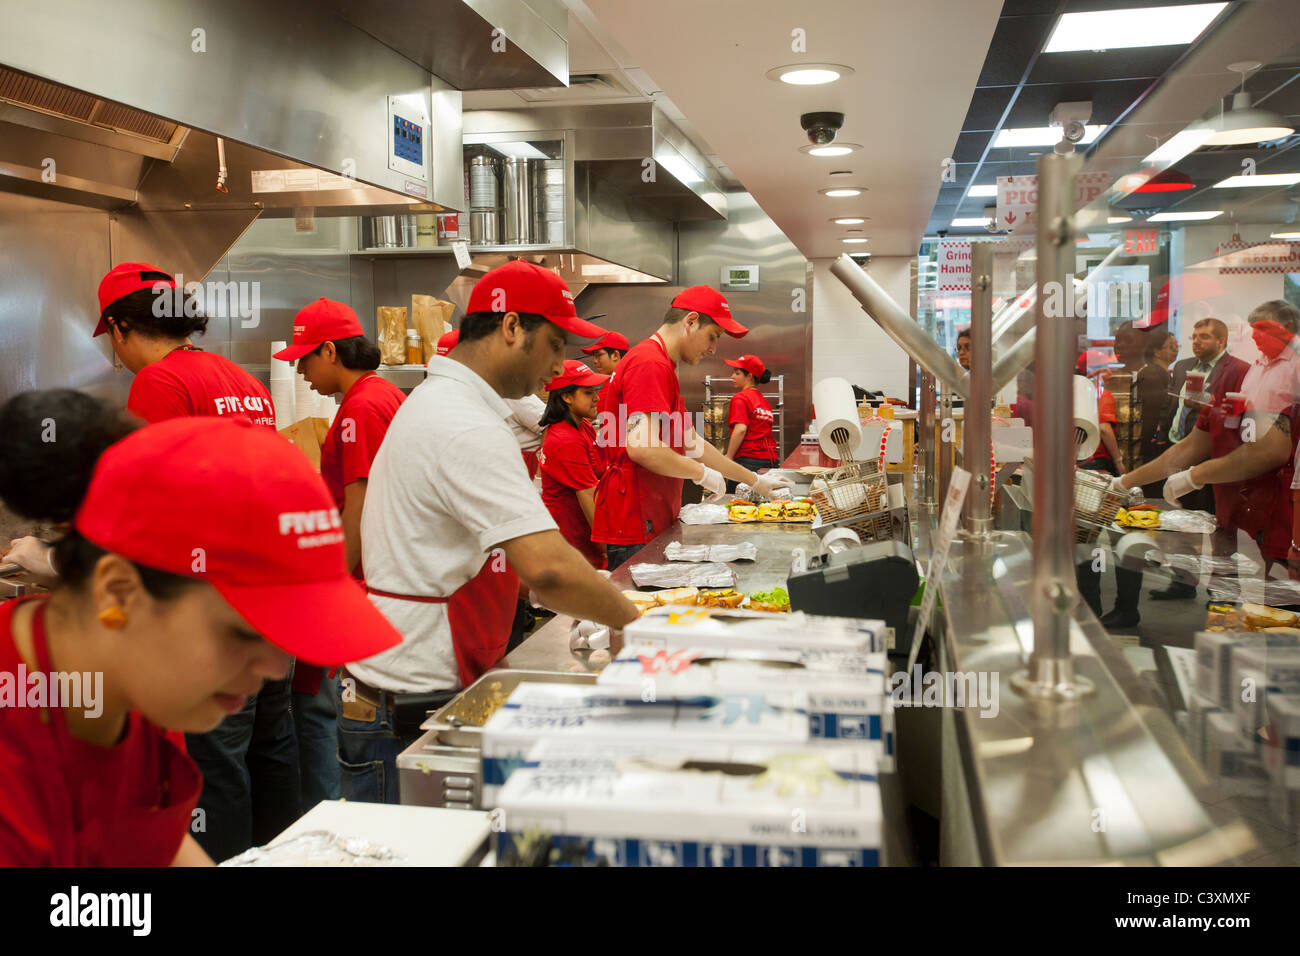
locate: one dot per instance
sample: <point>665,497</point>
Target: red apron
<point>480,613</point>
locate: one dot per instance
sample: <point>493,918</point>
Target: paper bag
<point>428,318</point>
<point>308,436</point>
<point>390,323</point>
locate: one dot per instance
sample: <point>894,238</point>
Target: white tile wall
<point>849,344</point>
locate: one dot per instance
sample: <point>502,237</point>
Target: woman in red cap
<point>168,617</point>
<point>571,464</point>
<point>750,416</point>
<point>334,355</point>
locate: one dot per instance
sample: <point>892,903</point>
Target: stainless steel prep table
<point>548,648</point>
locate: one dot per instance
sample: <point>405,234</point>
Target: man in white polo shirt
<point>452,524</point>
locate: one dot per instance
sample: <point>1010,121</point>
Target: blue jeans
<point>617,554</point>
<point>753,464</point>
<point>368,749</point>
<point>315,718</point>
<point>250,775</point>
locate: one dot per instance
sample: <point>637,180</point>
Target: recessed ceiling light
<point>853,240</point>
<point>809,74</point>
<point>1039,136</point>
<point>834,149</point>
<point>987,190</point>
<point>1185,216</point>
<point>1259,179</point>
<point>1284,235</point>
<point>841,191</point>
<point>1124,29</point>
<point>977,221</point>
<point>849,220</point>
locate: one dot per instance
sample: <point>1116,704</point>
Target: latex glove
<point>1129,494</point>
<point>767,484</point>
<point>711,481</point>
<point>1179,484</point>
<point>33,554</point>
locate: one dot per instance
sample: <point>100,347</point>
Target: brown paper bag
<point>304,435</point>
<point>427,314</point>
<point>390,323</point>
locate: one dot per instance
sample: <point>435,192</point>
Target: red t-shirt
<point>357,432</point>
<point>633,504</point>
<point>1105,415</point>
<point>189,382</point>
<point>66,802</point>
<point>569,462</point>
<point>751,409</point>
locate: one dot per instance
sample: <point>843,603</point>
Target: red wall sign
<point>1142,241</point>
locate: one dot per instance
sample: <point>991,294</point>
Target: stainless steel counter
<point>548,648</point>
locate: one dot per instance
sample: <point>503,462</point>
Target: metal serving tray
<point>456,733</point>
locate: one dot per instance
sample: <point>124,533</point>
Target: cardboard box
<point>1281,749</point>
<point>674,628</point>
<point>1214,660</point>
<point>743,806</point>
<point>1199,709</point>
<point>537,711</point>
<point>1261,671</point>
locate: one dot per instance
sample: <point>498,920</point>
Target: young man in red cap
<point>640,493</point>
<point>451,516</point>
<point>607,351</point>
<point>173,377</point>
<point>334,355</point>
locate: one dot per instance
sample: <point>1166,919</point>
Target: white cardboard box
<point>672,628</point>
<point>1260,672</point>
<point>1214,660</point>
<point>744,805</point>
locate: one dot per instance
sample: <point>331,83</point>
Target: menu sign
<point>1018,196</point>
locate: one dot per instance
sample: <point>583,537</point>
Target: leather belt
<point>372,695</point>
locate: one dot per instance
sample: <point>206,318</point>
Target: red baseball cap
<point>576,373</point>
<point>610,340</point>
<point>750,363</point>
<point>448,341</point>
<point>520,286</point>
<point>710,302</point>
<point>267,535</point>
<point>122,280</point>
<point>323,321</point>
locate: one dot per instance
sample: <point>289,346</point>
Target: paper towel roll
<point>1133,549</point>
<point>836,408</point>
<point>1086,430</point>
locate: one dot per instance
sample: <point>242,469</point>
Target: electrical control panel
<point>408,136</point>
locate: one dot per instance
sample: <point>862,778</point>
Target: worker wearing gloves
<point>652,445</point>
<point>453,525</point>
<point>1245,446</point>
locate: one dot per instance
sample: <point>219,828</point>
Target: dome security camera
<point>821,127</point>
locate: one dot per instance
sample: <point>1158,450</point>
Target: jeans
<point>618,554</point>
<point>368,749</point>
<point>753,464</point>
<point>250,775</point>
<point>315,718</point>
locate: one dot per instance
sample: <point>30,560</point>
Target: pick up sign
<point>1018,196</point>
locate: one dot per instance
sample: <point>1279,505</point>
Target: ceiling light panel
<point>1259,180</point>
<point>1185,216</point>
<point>1126,29</point>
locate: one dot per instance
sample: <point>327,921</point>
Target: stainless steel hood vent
<point>56,100</point>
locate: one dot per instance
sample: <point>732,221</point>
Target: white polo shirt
<point>447,486</point>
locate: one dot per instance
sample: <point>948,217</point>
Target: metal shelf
<point>774,398</point>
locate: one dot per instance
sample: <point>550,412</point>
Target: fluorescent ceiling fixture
<point>833,149</point>
<point>853,240</point>
<point>1259,179</point>
<point>1124,29</point>
<point>1184,216</point>
<point>848,221</point>
<point>981,221</point>
<point>1179,145</point>
<point>1284,235</point>
<point>680,168</point>
<point>841,191</point>
<point>809,74</point>
<point>1111,220</point>
<point>518,150</point>
<point>982,190</point>
<point>1039,136</point>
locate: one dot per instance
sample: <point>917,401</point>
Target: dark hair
<point>1219,328</point>
<point>479,325</point>
<point>556,408</point>
<point>759,379</point>
<point>675,315</point>
<point>135,313</point>
<point>50,442</point>
<point>615,353</point>
<point>963,334</point>
<point>1280,310</point>
<point>357,353</point>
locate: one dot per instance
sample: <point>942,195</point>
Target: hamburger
<point>799,510</point>
<point>776,600</point>
<point>642,600</point>
<point>689,596</point>
<point>770,511</point>
<point>723,597</point>
<point>743,511</point>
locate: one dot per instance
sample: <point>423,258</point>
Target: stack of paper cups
<point>282,395</point>
<point>304,399</point>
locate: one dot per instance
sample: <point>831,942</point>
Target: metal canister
<point>517,201</point>
<point>549,201</point>
<point>384,232</point>
<point>484,205</point>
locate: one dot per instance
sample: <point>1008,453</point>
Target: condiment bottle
<point>414,349</point>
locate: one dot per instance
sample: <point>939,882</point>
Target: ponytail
<point>765,377</point>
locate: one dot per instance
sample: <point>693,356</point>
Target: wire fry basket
<point>855,496</point>
<point>1095,504</point>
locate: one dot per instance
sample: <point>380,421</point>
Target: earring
<point>113,618</point>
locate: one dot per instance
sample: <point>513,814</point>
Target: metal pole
<point>900,326</point>
<point>1051,669</point>
<point>925,422</point>
<point>946,444</point>
<point>1010,363</point>
<point>977,434</point>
